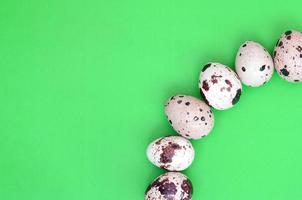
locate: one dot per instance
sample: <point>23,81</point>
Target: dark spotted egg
<point>189,116</point>
<point>170,186</point>
<point>288,56</point>
<point>173,153</point>
<point>220,86</point>
<point>254,65</point>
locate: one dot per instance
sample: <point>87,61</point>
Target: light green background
<point>82,89</point>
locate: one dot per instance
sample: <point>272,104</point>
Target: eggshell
<point>288,56</point>
<point>220,86</point>
<point>173,153</point>
<point>170,186</point>
<point>189,116</point>
<point>254,64</point>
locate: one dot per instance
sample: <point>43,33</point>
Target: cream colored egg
<point>189,116</point>
<point>173,153</point>
<point>170,186</point>
<point>220,86</point>
<point>254,64</point>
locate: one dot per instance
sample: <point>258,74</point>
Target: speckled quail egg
<point>170,186</point>
<point>219,85</point>
<point>173,153</point>
<point>189,116</point>
<point>254,65</point>
<point>288,56</point>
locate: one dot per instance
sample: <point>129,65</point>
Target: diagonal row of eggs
<point>255,66</point>
<point>221,89</point>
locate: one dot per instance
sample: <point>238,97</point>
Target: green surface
<point>82,89</point>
